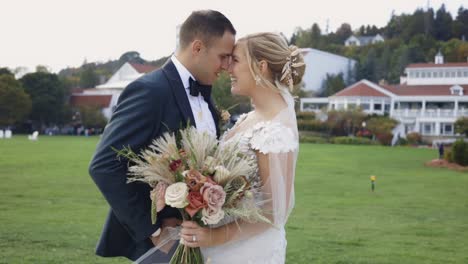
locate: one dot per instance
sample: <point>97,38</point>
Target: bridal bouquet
<point>206,181</point>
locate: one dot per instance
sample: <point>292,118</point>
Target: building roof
<point>143,68</point>
<point>433,65</point>
<point>365,88</point>
<point>421,90</point>
<point>360,89</point>
<point>90,100</point>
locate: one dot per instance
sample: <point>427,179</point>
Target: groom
<point>164,100</point>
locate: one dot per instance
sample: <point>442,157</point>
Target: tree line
<point>40,99</point>
<point>409,38</point>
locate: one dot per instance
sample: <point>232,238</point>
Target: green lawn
<point>51,212</point>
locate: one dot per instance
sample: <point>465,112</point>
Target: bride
<point>265,69</point>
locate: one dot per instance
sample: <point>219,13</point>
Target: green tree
<point>460,25</point>
<point>92,117</point>
<point>343,32</point>
<point>5,71</point>
<point>344,122</point>
<point>443,24</point>
<point>461,126</point>
<point>47,96</point>
<point>381,127</point>
<point>15,104</point>
<point>332,84</point>
<point>221,93</point>
<point>88,77</point>
<point>131,56</point>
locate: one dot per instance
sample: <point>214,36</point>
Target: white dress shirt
<point>201,112</point>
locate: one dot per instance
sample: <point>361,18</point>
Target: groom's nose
<point>225,64</point>
<point>229,67</point>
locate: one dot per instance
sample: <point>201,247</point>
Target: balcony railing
<point>430,113</point>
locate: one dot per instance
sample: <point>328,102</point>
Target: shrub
<point>385,138</point>
<point>352,141</point>
<point>305,116</point>
<point>402,142</point>
<point>312,139</point>
<point>311,125</point>
<point>448,155</point>
<point>414,138</point>
<point>460,152</point>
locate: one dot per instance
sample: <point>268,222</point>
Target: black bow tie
<point>196,88</point>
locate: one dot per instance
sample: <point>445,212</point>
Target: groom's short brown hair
<point>204,25</point>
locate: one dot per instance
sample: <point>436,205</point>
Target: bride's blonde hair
<point>285,63</point>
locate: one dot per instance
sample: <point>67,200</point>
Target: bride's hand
<point>197,236</point>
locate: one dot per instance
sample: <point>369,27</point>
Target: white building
<point>429,100</point>
<point>320,63</point>
<point>106,95</point>
<point>363,40</point>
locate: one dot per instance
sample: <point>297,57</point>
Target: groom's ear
<point>196,46</point>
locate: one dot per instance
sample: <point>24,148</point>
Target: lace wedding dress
<point>258,243</point>
<point>278,140</point>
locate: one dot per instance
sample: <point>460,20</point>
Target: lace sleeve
<point>276,146</point>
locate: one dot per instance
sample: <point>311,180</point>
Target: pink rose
<point>157,195</point>
<point>196,203</point>
<point>213,195</point>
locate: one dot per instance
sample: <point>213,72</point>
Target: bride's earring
<point>257,80</point>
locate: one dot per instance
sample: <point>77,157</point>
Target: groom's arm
<point>136,116</point>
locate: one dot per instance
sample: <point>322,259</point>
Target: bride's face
<point>241,78</point>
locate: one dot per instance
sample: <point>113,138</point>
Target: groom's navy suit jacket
<point>153,104</point>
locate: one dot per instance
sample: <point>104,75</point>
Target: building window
<point>429,75</point>
<point>417,74</point>
<point>365,106</point>
<point>378,107</point>
<point>459,74</point>
<point>427,128</point>
<point>465,74</point>
<point>446,129</point>
<point>423,74</point>
<point>452,74</point>
<point>447,74</point>
<point>387,108</point>
<point>434,74</point>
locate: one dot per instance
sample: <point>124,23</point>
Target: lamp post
<point>373,178</point>
<point>363,125</point>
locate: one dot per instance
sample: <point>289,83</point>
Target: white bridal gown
<point>263,243</point>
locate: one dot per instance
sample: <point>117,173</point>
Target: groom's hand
<point>172,222</point>
<point>166,222</point>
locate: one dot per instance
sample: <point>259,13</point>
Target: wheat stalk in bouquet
<point>205,180</point>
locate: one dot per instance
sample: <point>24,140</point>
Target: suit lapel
<point>178,90</point>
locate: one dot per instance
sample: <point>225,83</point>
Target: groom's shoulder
<point>154,83</point>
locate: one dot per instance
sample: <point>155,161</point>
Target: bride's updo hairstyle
<point>285,63</point>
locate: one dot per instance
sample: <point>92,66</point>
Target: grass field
<point>51,212</point>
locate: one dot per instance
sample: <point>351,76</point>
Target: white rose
<point>221,173</point>
<point>176,195</point>
<point>212,217</point>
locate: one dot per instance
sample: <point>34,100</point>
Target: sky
<point>65,33</point>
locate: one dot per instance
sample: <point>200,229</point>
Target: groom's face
<point>215,58</point>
